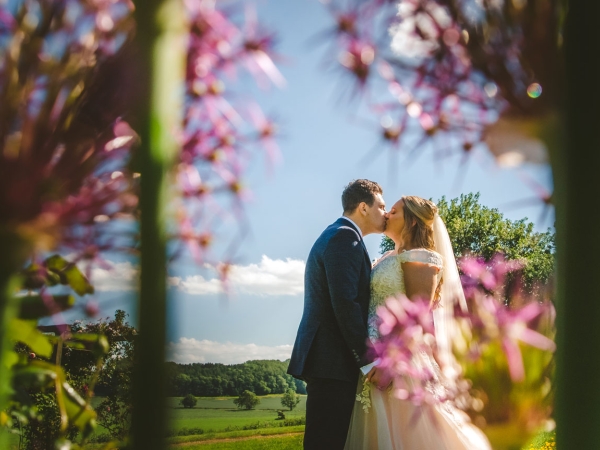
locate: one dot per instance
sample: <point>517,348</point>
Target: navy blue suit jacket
<point>332,337</point>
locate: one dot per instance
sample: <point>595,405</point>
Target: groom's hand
<point>379,378</point>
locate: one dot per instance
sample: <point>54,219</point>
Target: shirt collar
<point>353,223</point>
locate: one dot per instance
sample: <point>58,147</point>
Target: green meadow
<point>219,425</point>
<point>291,442</point>
<point>221,414</point>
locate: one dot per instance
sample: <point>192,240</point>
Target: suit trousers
<point>329,405</point>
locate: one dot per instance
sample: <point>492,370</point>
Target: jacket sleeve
<point>343,261</point>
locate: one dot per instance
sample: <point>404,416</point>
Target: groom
<point>330,347</point>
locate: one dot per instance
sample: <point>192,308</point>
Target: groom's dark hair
<point>358,191</point>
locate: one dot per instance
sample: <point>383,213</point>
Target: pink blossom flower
<point>221,129</point>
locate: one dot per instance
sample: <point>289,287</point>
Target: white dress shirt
<point>353,223</point>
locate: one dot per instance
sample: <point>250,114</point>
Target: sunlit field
<point>221,414</point>
<point>292,442</point>
<point>215,423</point>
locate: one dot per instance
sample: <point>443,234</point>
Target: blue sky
<point>323,149</point>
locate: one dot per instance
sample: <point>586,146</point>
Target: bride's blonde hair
<point>418,222</point>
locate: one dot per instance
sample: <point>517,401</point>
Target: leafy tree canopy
<point>114,376</point>
<point>189,401</point>
<point>212,380</point>
<point>290,399</point>
<point>247,400</point>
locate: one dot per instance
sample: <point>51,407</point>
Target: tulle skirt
<point>393,424</point>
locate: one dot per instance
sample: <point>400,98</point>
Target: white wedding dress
<point>380,421</point>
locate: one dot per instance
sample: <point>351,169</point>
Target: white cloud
<point>115,276</point>
<point>189,350</point>
<point>269,277</point>
<point>197,285</point>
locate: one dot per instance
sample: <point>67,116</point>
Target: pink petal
<point>514,360</point>
<point>537,340</point>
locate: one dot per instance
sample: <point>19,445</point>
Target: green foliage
<point>114,376</point>
<point>247,400</point>
<point>476,230</point>
<point>193,431</point>
<point>33,307</point>
<point>294,422</point>
<point>68,274</point>
<point>38,376</point>
<point>213,380</point>
<point>47,403</point>
<point>26,332</point>
<point>44,427</point>
<point>97,356</point>
<point>290,399</point>
<point>189,401</point>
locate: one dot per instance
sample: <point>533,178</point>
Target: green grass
<point>543,441</point>
<point>546,440</point>
<point>13,442</point>
<point>220,413</point>
<point>235,434</point>
<point>241,437</point>
<point>267,443</point>
<point>222,420</point>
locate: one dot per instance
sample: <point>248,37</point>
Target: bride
<point>421,265</point>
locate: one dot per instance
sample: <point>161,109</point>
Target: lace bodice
<point>387,279</point>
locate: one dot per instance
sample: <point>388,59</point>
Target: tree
<point>114,376</point>
<point>479,231</point>
<point>247,400</point>
<point>290,399</point>
<point>41,431</point>
<point>189,401</point>
<point>209,380</point>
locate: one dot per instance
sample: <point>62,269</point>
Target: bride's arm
<point>420,280</point>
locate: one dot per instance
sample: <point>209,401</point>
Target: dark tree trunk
<point>577,188</point>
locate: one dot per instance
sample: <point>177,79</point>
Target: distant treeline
<point>212,380</point>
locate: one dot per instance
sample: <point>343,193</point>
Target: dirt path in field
<point>245,438</point>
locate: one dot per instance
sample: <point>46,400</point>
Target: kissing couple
<point>350,402</point>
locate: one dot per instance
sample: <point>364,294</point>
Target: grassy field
<point>220,413</point>
<point>292,442</point>
<point>232,435</point>
<point>223,426</point>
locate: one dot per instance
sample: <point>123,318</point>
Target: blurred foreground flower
<point>459,75</point>
<point>64,182</point>
<point>503,358</point>
<point>63,89</point>
<point>68,181</point>
<point>223,132</point>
